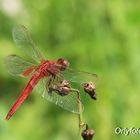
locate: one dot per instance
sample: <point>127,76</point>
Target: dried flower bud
<point>90,88</point>
<point>87,134</point>
<point>65,83</point>
<point>63,88</point>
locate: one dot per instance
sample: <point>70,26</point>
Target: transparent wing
<point>17,66</point>
<point>78,76</point>
<point>23,41</point>
<point>68,102</point>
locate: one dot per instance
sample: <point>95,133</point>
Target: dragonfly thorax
<point>50,67</point>
<point>44,68</point>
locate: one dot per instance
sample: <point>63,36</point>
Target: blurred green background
<point>98,36</point>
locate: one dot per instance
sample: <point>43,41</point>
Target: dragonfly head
<point>64,64</point>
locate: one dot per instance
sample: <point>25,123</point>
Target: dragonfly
<point>53,80</point>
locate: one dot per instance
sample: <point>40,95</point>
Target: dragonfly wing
<point>17,66</point>
<point>68,102</point>
<point>79,76</point>
<point>23,40</point>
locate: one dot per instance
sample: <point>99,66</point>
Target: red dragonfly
<point>52,79</point>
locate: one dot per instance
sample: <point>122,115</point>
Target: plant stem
<point>80,115</point>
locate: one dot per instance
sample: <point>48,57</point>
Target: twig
<point>80,115</point>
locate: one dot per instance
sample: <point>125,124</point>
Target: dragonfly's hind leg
<point>49,84</point>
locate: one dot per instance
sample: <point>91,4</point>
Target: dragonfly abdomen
<point>34,80</point>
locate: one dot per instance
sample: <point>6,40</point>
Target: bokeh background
<point>98,36</point>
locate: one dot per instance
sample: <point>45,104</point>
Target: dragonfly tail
<point>19,101</point>
<point>23,96</point>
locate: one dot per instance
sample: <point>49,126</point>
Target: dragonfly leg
<point>49,84</point>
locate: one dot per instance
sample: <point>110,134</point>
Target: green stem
<point>80,115</point>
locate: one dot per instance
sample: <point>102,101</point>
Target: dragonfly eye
<point>64,63</point>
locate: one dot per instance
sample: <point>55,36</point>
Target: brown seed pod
<point>90,88</point>
<point>88,134</point>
